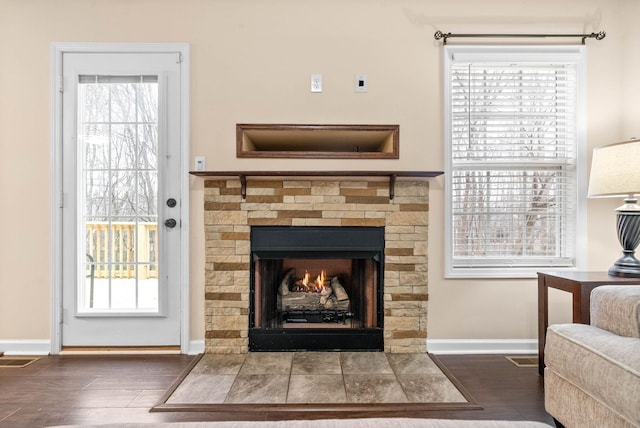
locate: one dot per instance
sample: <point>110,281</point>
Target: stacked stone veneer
<point>289,202</point>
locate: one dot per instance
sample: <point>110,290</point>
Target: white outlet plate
<point>362,83</point>
<point>200,163</point>
<point>316,83</point>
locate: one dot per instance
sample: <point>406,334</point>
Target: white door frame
<point>57,195</point>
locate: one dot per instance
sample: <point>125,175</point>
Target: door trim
<point>57,197</point>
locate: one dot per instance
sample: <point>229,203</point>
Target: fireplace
<point>316,288</point>
<point>346,204</point>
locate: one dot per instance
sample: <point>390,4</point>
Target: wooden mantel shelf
<point>242,175</point>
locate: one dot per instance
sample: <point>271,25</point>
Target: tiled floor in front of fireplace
<point>315,377</point>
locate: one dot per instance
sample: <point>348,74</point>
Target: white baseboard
<point>482,346</point>
<point>26,347</point>
<point>196,347</point>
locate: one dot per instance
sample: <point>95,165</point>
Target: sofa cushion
<point>616,309</point>
<point>332,423</point>
<point>604,365</point>
<point>575,408</point>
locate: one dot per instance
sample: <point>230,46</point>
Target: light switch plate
<point>200,163</point>
<point>362,83</point>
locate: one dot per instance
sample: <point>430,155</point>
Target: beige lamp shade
<point>615,170</point>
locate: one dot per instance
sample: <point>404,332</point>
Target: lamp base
<point>627,265</point>
<point>628,226</point>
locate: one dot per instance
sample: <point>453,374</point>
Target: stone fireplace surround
<point>315,202</point>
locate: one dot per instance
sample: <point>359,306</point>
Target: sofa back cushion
<point>616,308</point>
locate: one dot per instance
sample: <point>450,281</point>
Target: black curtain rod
<point>440,35</point>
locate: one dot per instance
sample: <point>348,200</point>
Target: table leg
<point>585,303</point>
<point>543,320</point>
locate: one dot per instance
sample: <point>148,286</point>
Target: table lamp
<point>615,171</point>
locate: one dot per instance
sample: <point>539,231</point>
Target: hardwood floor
<point>58,390</point>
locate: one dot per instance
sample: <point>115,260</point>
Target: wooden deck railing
<point>115,249</point>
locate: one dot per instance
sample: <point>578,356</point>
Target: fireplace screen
<point>316,288</point>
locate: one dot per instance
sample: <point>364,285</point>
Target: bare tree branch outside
<point>118,136</point>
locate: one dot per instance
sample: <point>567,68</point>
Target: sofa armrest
<point>616,309</point>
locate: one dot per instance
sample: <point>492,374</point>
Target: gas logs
<point>306,294</point>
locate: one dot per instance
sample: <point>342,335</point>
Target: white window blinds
<point>512,167</point>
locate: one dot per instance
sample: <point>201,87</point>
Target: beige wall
<point>250,62</point>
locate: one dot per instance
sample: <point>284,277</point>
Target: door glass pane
<point>118,140</point>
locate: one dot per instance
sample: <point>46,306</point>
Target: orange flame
<point>307,286</point>
<point>320,280</point>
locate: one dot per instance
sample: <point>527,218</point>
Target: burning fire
<point>307,286</point>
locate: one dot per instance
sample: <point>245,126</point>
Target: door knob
<point>171,202</point>
<point>170,222</point>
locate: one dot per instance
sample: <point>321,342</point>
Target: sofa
<point>332,423</point>
<point>592,374</point>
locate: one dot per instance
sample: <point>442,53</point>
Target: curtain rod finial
<point>440,35</point>
<point>598,36</point>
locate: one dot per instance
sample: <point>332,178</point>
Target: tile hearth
<point>316,377</point>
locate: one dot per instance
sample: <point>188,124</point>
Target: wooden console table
<point>580,285</point>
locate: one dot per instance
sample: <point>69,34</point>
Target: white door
<point>121,166</point>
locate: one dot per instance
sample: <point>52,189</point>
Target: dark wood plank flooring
<point>59,390</point>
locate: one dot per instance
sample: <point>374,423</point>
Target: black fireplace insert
<point>316,288</point>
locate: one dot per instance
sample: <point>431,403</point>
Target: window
<point>118,132</point>
<point>514,159</point>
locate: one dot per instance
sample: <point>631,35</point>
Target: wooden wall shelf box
<point>242,175</point>
<point>318,141</point>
